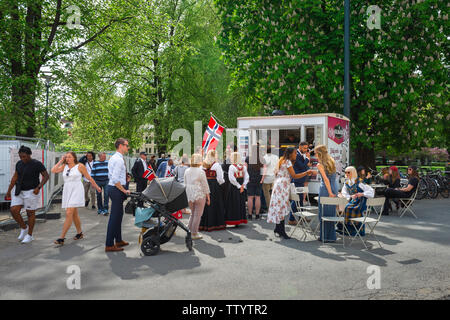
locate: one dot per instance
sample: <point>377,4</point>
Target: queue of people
<point>220,193</point>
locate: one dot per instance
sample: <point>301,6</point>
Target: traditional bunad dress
<point>356,207</point>
<point>235,211</point>
<point>213,217</point>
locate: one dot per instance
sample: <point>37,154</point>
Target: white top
<point>145,164</point>
<point>219,172</point>
<point>271,163</point>
<point>196,184</point>
<point>231,171</point>
<point>302,155</point>
<point>117,171</point>
<point>88,166</point>
<point>369,192</point>
<point>73,191</point>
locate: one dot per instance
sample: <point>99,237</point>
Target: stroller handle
<point>140,197</point>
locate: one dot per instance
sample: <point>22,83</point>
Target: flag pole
<point>160,186</point>
<point>159,183</point>
<point>217,119</point>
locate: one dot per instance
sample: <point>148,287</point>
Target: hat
<point>394,168</point>
<point>143,153</point>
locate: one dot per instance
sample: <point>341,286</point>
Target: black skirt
<point>235,212</point>
<point>213,217</point>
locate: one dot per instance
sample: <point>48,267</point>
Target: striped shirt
<point>100,171</point>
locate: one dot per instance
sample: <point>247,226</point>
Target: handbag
<point>130,207</point>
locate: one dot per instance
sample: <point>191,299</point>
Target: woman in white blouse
<point>235,212</point>
<point>197,191</point>
<point>357,192</point>
<point>213,217</point>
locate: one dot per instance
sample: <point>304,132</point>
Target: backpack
<point>83,160</point>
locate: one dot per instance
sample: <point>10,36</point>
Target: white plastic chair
<point>408,202</point>
<point>336,219</point>
<point>302,216</point>
<point>372,204</point>
<point>305,190</point>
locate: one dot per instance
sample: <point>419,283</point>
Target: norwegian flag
<point>169,173</point>
<point>212,136</point>
<point>149,174</point>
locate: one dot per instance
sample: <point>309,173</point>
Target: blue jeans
<point>102,205</point>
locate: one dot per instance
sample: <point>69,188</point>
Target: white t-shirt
<point>271,163</point>
<point>89,169</point>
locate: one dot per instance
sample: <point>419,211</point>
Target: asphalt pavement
<point>247,262</point>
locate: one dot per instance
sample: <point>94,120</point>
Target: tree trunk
<point>365,156</point>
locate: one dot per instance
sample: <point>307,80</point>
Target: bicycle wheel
<point>432,188</point>
<point>423,188</point>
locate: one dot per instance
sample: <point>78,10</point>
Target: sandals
<point>59,241</point>
<point>78,236</point>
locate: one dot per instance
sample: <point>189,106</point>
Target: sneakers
<point>23,232</point>
<point>28,239</point>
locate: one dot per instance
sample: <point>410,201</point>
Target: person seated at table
<point>385,175</point>
<point>357,192</point>
<point>393,181</point>
<point>366,178</point>
<point>391,193</point>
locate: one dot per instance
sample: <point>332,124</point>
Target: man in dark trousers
<point>117,191</point>
<point>138,170</point>
<point>301,165</point>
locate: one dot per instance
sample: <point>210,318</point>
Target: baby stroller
<point>160,200</point>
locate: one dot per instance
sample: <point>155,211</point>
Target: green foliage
<point>160,68</point>
<point>290,54</point>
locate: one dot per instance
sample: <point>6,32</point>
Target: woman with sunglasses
<point>357,192</point>
<point>407,192</point>
<point>73,192</point>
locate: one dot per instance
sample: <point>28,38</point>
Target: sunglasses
<point>67,173</point>
<point>347,172</point>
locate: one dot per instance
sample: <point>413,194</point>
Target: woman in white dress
<point>73,192</point>
<point>279,201</point>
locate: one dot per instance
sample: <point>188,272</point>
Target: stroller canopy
<point>172,189</point>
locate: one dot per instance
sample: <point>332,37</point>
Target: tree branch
<point>69,50</point>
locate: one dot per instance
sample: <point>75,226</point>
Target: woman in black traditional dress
<point>213,217</point>
<point>225,166</point>
<point>235,212</point>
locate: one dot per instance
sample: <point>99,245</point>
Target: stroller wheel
<point>149,246</point>
<point>189,243</point>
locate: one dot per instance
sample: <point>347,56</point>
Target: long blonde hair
<point>353,173</point>
<point>325,159</point>
<point>210,158</point>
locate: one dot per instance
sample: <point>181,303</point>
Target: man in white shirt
<point>118,180</point>
<point>88,189</point>
<point>271,161</point>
